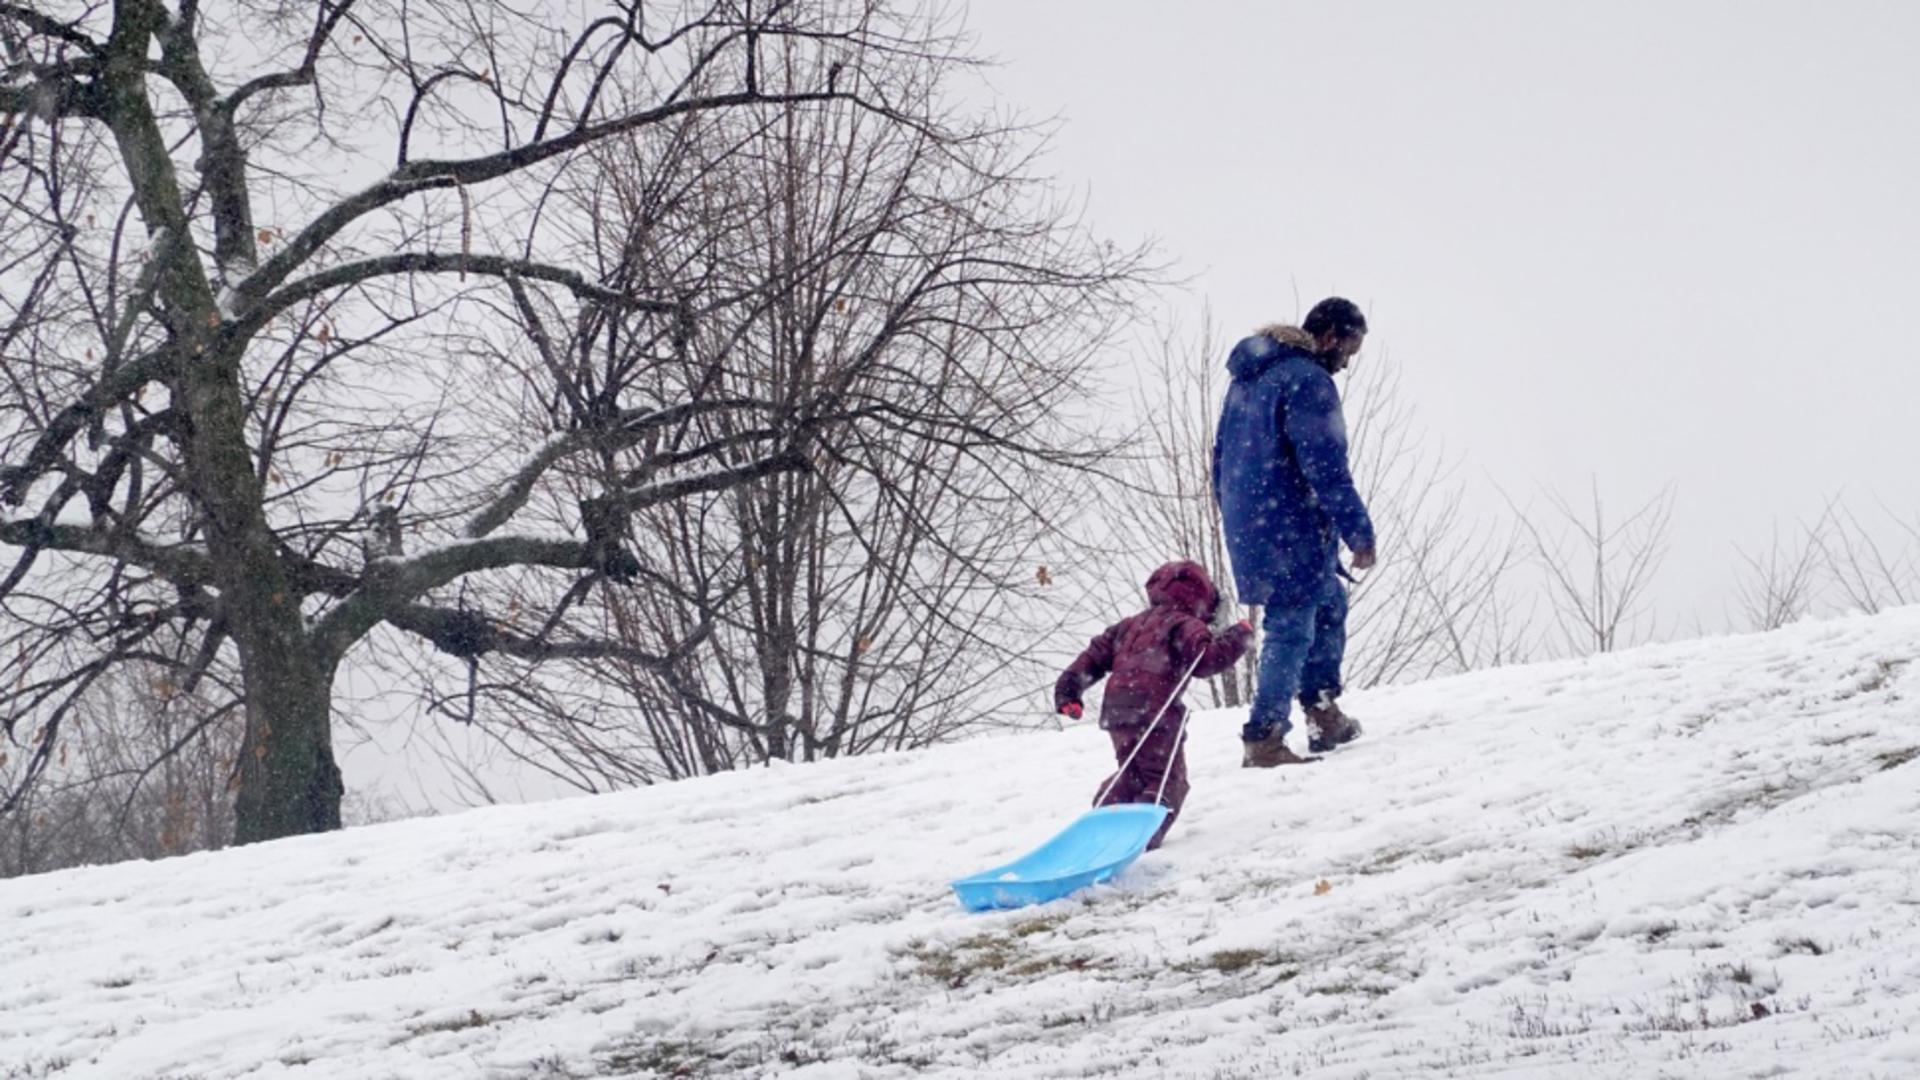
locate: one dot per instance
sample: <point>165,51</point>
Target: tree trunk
<point>289,783</point>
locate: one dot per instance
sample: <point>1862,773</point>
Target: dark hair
<point>1336,314</point>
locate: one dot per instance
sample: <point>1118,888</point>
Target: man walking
<point>1286,495</point>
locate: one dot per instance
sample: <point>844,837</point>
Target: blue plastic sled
<point>1087,852</point>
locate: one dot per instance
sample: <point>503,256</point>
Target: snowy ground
<point>1693,860</point>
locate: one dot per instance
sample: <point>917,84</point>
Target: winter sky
<point>1644,242</point>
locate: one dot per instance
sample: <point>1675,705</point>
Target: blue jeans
<point>1300,653</point>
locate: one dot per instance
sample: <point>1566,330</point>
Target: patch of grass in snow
<point>1536,1018</point>
<point>1006,953</point>
<point>770,1053</point>
<point>1041,925</point>
<point>35,1070</point>
<point>1609,842</point>
<point>1228,961</point>
<point>1233,961</point>
<point>1390,859</point>
<point>1877,679</point>
<point>472,1019</point>
<point>550,1067</point>
<point>1764,797</point>
<point>663,1058</point>
<point>1098,1014</point>
<point>1893,759</point>
<point>1722,996</point>
<point>1802,945</point>
<point>1351,988</point>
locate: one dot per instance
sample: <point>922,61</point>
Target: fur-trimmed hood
<point>1289,335</point>
<point>1254,355</point>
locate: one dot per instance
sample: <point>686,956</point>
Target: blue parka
<point>1280,472</point>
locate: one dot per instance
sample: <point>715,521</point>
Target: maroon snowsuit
<point>1147,654</point>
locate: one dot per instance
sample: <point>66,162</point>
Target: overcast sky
<point>1648,242</point>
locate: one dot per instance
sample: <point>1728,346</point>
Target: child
<point>1148,654</point>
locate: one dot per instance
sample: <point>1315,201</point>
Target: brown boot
<point>1269,752</point>
<point>1328,727</point>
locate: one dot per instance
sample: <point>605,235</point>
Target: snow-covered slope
<point>1693,860</point>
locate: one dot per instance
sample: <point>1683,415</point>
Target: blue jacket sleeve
<point>1318,432</point>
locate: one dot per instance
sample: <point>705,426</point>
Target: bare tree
<point>1599,577</point>
<point>142,772</point>
<point>1442,598</point>
<point>1782,584</point>
<point>1160,504</point>
<point>1871,569</point>
<point>256,265</point>
<point>882,598</point>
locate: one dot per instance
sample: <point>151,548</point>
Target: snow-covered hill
<point>1693,860</point>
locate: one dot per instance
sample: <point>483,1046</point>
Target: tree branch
<point>41,23</point>
<point>632,427</point>
<point>325,21</point>
<point>451,632</point>
<point>180,563</point>
<point>390,584</point>
<point>432,262</point>
<point>416,176</point>
<point>114,387</point>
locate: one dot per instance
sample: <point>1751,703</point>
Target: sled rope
<point>1167,773</point>
<point>1178,688</point>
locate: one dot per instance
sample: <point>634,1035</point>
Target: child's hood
<point>1185,586</point>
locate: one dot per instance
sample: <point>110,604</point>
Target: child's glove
<point>1071,710</point>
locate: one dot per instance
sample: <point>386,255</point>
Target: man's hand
<point>1363,560</point>
<point>1071,710</point>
